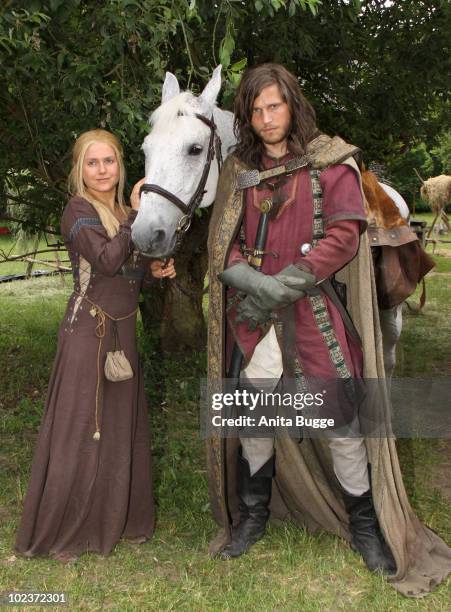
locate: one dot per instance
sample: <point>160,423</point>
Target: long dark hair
<point>303,119</point>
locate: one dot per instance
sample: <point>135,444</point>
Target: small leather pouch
<point>117,366</point>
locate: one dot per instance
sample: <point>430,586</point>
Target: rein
<point>188,210</point>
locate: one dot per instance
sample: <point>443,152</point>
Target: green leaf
<point>123,107</point>
<point>313,8</point>
<point>229,43</point>
<point>235,78</point>
<point>224,58</point>
<point>226,49</point>
<point>277,4</point>
<point>39,17</point>
<point>237,66</point>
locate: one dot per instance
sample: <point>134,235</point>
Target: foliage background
<point>374,70</point>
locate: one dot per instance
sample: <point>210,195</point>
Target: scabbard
<point>256,261</point>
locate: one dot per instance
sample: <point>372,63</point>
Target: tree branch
<point>185,36</point>
<point>45,229</point>
<point>4,258</point>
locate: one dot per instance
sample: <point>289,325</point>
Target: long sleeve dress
<point>86,493</point>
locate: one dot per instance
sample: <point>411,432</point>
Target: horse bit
<point>188,210</point>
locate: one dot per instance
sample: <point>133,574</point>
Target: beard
<point>275,136</point>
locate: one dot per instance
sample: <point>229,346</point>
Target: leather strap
<point>329,290</point>
<point>313,158</point>
<point>152,187</point>
<point>251,178</point>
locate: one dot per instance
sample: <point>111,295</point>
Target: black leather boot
<point>367,538</point>
<point>254,494</point>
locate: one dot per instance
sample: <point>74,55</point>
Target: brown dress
<point>85,494</point>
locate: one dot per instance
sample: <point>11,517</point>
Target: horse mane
<point>183,104</point>
<point>380,207</point>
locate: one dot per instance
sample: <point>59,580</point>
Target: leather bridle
<point>188,210</point>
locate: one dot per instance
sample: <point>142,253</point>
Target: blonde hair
<point>76,185</point>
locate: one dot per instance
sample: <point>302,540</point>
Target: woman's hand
<point>160,269</point>
<point>134,198</point>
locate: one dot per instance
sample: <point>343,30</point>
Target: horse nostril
<point>158,236</point>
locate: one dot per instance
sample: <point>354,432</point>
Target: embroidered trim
<point>299,377</point>
<point>322,319</point>
<point>317,302</point>
<point>79,224</point>
<point>301,382</point>
<point>318,223</point>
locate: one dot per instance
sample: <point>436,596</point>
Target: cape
<point>304,487</point>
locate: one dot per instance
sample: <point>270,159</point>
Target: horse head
<point>189,137</point>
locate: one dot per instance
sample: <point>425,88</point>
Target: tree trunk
<point>172,313</point>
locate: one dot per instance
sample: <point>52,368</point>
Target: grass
<point>440,248</point>
<point>426,337</point>
<point>287,570</point>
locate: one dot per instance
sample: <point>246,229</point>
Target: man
<point>290,324</point>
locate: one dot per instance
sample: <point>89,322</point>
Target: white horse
<point>176,153</point>
<point>391,319</point>
<point>398,200</point>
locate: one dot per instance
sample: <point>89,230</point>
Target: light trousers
<point>349,456</point>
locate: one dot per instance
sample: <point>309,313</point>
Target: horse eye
<point>195,150</point>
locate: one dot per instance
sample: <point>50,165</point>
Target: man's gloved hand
<point>295,278</point>
<point>248,310</point>
<point>266,293</point>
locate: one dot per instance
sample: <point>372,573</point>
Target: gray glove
<point>295,278</point>
<point>257,306</point>
<point>268,291</point>
<point>248,310</point>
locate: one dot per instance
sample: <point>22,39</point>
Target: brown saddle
<point>400,262</point>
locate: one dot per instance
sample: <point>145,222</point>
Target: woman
<point>91,478</point>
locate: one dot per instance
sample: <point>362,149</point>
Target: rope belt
<point>101,315</point>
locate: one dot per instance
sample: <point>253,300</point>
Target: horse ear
<point>211,91</point>
<point>171,87</point>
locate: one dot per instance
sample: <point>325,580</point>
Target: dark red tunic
<point>344,219</point>
<point>84,494</point>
